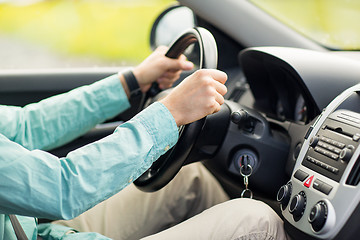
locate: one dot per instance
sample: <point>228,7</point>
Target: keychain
<point>246,180</point>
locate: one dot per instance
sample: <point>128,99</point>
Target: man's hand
<point>197,96</point>
<point>158,67</point>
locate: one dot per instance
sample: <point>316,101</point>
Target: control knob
<point>284,194</point>
<point>297,205</point>
<point>239,117</point>
<point>318,215</point>
<point>243,120</point>
<point>314,141</point>
<point>346,153</point>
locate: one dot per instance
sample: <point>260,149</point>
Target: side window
<point>82,33</point>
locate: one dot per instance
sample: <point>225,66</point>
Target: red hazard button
<point>308,181</point>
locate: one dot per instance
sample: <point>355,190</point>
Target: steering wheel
<point>168,165</point>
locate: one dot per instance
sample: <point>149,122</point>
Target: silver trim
<point>342,200</point>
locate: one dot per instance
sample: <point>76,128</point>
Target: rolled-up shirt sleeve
<point>36,183</point>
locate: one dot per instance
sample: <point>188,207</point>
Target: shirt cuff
<point>59,232</point>
<point>158,122</point>
<point>161,126</point>
<point>54,231</point>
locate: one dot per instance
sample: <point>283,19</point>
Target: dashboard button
<point>317,184</point>
<point>308,182</point>
<point>339,144</point>
<point>333,170</point>
<point>310,159</point>
<point>301,175</point>
<point>323,165</point>
<point>333,156</point>
<point>356,137</point>
<point>322,144</point>
<point>337,151</point>
<point>326,166</point>
<point>326,188</point>
<point>320,150</point>
<point>332,142</point>
<point>322,186</point>
<point>317,162</point>
<point>331,148</point>
<point>325,139</point>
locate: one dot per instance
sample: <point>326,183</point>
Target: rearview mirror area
<point>170,24</point>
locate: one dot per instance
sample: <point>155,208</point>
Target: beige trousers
<point>133,214</point>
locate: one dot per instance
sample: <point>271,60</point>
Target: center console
<point>321,199</point>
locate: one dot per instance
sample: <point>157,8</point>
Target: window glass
<point>81,33</point>
<point>333,23</point>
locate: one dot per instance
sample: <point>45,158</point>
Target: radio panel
<point>332,148</point>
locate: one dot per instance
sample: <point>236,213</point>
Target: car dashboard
<point>322,197</point>
<point>305,128</point>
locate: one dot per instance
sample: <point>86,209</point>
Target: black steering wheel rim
<point>168,165</point>
<point>207,47</point>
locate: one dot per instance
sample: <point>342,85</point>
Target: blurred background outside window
<point>76,33</point>
<point>332,23</point>
<point>97,33</point>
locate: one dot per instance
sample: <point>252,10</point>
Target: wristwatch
<point>131,82</point>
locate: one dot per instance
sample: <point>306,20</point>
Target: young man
<point>37,184</point>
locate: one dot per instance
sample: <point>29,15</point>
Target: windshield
<point>81,33</point>
<point>333,23</point>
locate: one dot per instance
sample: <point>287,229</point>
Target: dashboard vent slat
<point>354,176</point>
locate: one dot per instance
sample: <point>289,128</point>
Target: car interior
<point>290,124</point>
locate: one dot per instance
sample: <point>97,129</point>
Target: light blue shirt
<point>37,184</point>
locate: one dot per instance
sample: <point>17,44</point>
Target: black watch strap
<point>131,82</point>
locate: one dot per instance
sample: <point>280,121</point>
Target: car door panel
<point>21,87</point>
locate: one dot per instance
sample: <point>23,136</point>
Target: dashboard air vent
<point>354,176</point>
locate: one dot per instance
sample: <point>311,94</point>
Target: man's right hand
<point>197,96</point>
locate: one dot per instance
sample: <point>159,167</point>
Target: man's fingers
<point>165,85</point>
<point>219,98</point>
<point>171,75</point>
<point>162,49</point>
<point>178,64</point>
<point>217,108</point>
<point>168,79</point>
<point>218,75</point>
<point>220,88</point>
<point>182,57</point>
